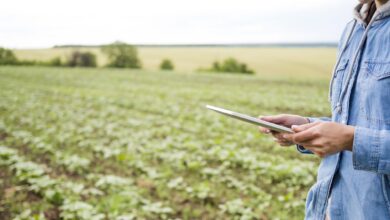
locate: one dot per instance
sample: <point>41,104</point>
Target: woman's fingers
<point>264,130</point>
<point>300,137</point>
<point>277,119</point>
<point>278,138</point>
<point>284,143</point>
<point>299,128</point>
<point>277,135</point>
<point>285,120</point>
<point>304,133</point>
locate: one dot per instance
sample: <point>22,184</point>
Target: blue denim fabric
<point>356,185</point>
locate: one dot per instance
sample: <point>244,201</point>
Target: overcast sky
<point>44,23</point>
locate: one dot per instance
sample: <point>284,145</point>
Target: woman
<point>353,179</point>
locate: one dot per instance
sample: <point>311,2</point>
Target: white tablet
<point>250,119</point>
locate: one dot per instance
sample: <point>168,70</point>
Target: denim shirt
<point>356,185</point>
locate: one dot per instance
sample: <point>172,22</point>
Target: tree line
<point>119,55</point>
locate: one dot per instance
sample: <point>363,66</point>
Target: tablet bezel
<point>250,119</point>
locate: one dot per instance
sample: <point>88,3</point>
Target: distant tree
<point>56,61</point>
<point>7,57</point>
<point>216,66</point>
<point>166,64</point>
<point>122,55</point>
<point>82,59</point>
<point>230,65</point>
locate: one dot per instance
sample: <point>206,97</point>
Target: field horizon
<point>289,61</point>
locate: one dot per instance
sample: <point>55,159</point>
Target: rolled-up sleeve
<point>371,150</point>
<point>300,148</point>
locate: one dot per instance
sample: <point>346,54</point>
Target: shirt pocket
<point>338,79</point>
<point>375,93</point>
<point>377,70</point>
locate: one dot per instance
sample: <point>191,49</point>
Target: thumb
<point>299,128</point>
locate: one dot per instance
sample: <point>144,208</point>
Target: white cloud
<point>44,23</point>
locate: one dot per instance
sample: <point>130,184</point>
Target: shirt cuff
<point>303,150</point>
<point>312,120</point>
<point>366,149</point>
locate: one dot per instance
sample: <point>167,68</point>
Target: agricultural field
<point>139,144</point>
<point>264,61</point>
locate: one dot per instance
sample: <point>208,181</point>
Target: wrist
<point>350,133</point>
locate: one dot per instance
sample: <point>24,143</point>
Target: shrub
<point>7,57</point>
<point>122,55</point>
<point>82,59</point>
<point>28,63</point>
<point>230,65</point>
<point>56,61</point>
<point>166,64</point>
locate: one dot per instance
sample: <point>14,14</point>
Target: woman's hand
<point>323,138</point>
<point>284,120</point>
